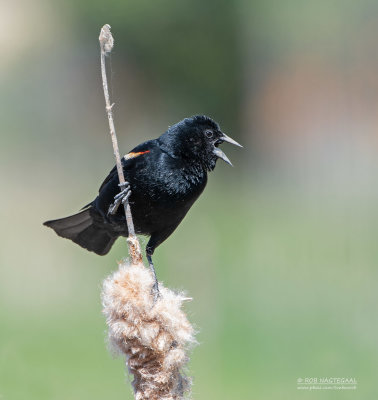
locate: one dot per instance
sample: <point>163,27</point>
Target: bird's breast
<point>171,186</point>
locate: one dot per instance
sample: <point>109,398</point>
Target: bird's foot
<point>120,198</point>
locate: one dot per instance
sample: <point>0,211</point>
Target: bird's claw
<point>122,194</point>
<point>120,198</point>
<point>124,185</point>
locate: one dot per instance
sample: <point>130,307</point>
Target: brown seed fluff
<point>155,338</point>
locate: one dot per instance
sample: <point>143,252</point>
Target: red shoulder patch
<point>133,155</point>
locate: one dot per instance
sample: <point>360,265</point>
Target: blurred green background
<point>280,253</point>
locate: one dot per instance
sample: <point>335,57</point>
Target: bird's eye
<point>209,133</point>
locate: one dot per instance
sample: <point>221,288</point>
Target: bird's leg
<point>155,288</point>
<point>120,198</point>
<point>156,239</point>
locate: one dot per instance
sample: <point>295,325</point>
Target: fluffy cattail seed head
<point>155,338</point>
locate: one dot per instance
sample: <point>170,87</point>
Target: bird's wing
<point>108,178</point>
<point>129,159</point>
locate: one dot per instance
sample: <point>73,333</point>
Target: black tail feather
<point>82,229</point>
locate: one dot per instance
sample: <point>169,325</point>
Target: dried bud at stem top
<point>106,39</point>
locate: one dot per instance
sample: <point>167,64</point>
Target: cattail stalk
<point>154,337</point>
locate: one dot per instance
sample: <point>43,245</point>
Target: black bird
<point>165,176</point>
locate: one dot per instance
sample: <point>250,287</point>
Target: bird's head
<point>196,139</point>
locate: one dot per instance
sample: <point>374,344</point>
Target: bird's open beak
<point>227,139</point>
<point>219,153</point>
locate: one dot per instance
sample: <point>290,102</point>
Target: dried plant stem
<point>106,45</point>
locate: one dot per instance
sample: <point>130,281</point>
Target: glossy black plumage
<point>166,176</point>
